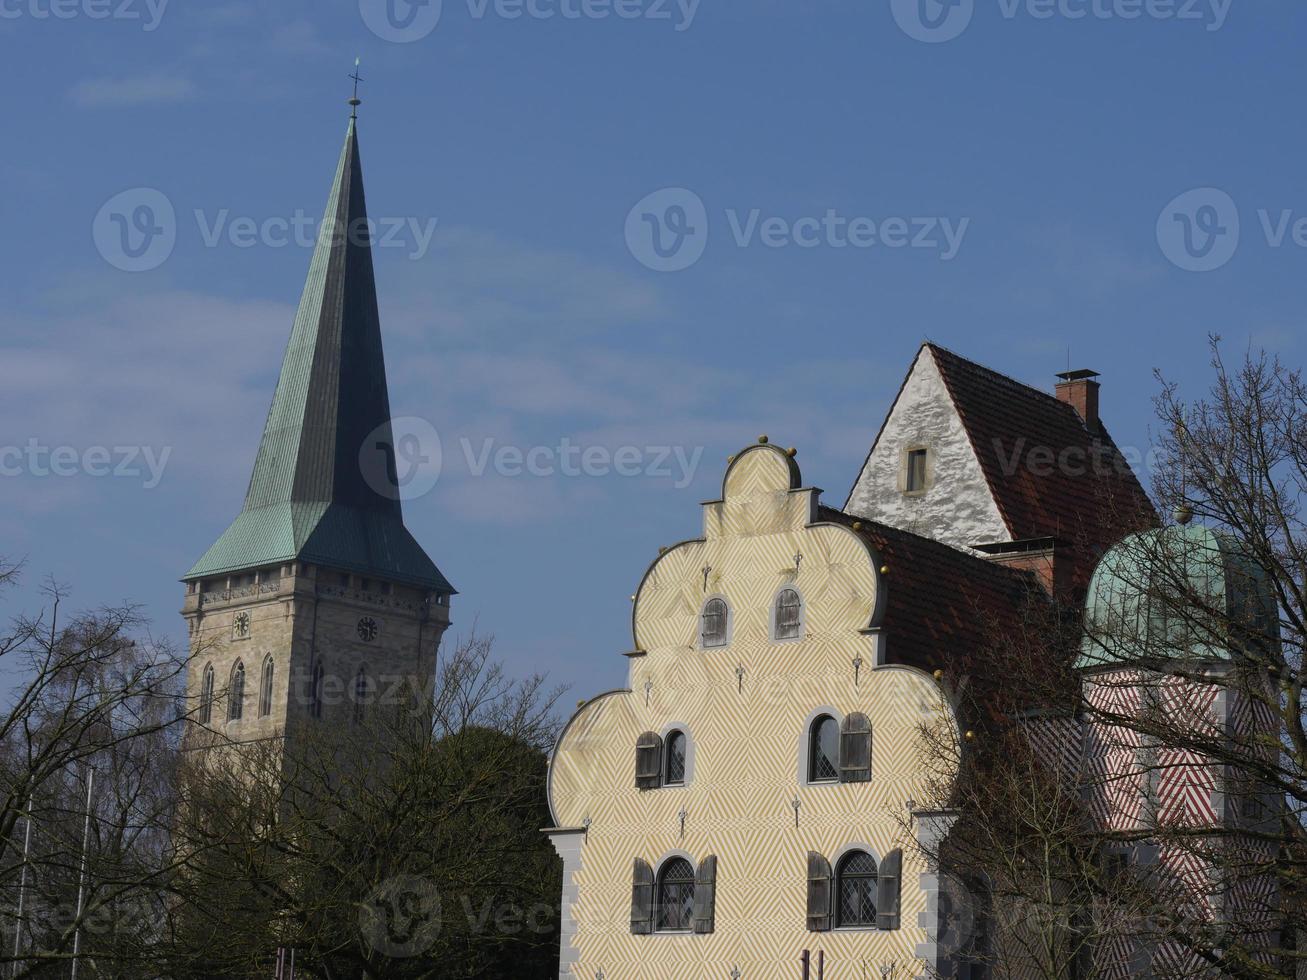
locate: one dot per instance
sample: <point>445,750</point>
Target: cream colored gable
<point>959,508</point>
<point>746,707</point>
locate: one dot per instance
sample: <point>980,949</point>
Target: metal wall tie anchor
<point>739,678</point>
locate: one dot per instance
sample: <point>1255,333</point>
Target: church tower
<point>317,602</point>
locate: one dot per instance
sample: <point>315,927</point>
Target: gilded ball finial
<point>970,735</point>
<point>857,525</point>
<point>939,675</point>
<point>1183,514</point>
<point>730,459</point>
<point>884,569</point>
<point>762,440</point>
<point>791,452</point>
<point>581,703</point>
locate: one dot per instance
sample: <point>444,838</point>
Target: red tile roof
<point>1019,434</point>
<point>944,605</point>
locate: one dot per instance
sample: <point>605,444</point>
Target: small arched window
<point>675,897</point>
<point>206,696</point>
<point>855,889</point>
<point>236,693</point>
<point>824,750</point>
<point>265,688</point>
<point>315,691</point>
<point>675,747</point>
<point>360,694</point>
<point>789,615</point>
<point>713,630</point>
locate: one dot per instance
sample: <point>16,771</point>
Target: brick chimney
<point>1079,390</point>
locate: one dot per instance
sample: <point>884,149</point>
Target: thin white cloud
<point>153,89</point>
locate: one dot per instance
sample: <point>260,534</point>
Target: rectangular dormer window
<point>915,471</point>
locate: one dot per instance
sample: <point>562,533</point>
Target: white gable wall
<point>958,508</point>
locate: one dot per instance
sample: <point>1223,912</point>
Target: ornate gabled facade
<point>748,799</point>
<point>744,807</point>
<point>317,601</point>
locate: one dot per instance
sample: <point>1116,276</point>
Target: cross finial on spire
<point>355,102</point>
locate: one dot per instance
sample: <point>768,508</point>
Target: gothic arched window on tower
<point>855,890</point>
<point>236,693</point>
<point>675,911</point>
<point>675,753</point>
<point>713,631</point>
<point>206,696</point>
<point>265,688</point>
<point>824,750</point>
<point>360,694</point>
<point>789,615</point>
<point>315,691</point>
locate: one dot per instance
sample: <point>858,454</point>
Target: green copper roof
<point>315,495</point>
<point>1176,593</point>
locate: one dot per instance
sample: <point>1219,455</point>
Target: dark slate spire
<point>318,493</point>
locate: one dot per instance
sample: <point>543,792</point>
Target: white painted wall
<point>958,509</point>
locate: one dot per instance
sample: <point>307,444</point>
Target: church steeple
<point>324,487</point>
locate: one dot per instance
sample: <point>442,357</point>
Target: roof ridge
<point>891,530</point>
<point>996,374</point>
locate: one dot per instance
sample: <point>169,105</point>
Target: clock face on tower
<point>367,629</point>
<point>240,626</point>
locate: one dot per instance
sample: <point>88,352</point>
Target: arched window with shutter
<point>674,900</point>
<point>823,750</point>
<point>855,749</point>
<point>856,891</point>
<point>715,623</point>
<point>265,688</point>
<point>206,695</point>
<point>236,693</point>
<point>787,616</point>
<point>648,761</point>
<point>674,750</point>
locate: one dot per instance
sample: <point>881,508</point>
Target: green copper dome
<point>1183,592</point>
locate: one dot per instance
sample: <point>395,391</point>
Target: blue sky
<point>1055,147</point>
